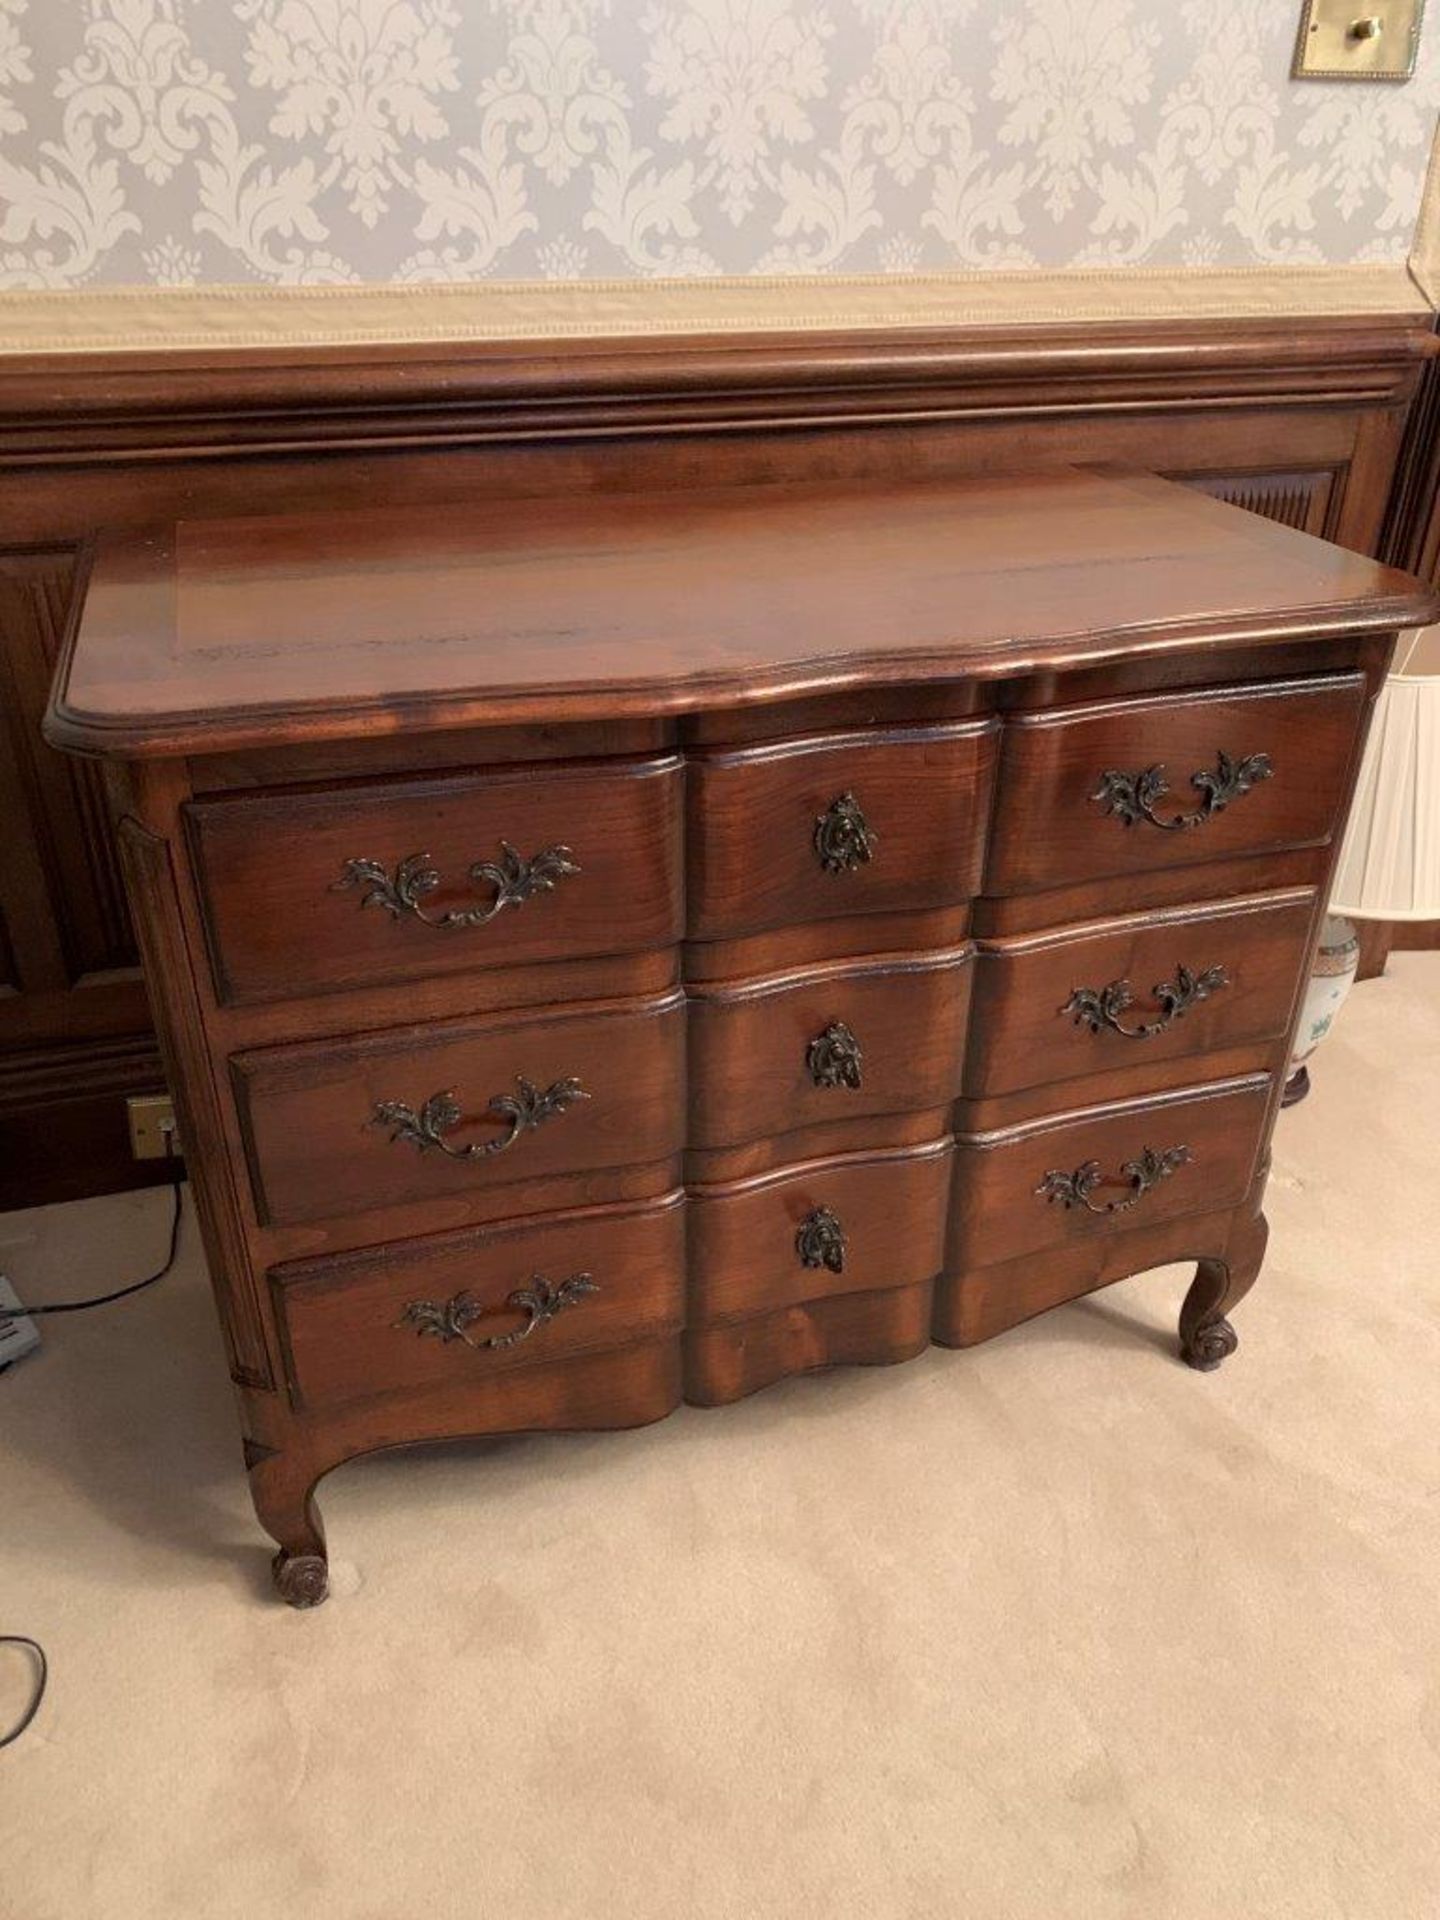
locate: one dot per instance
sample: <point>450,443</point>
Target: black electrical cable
<point>41,1678</point>
<point>79,1306</point>
<point>120,1293</point>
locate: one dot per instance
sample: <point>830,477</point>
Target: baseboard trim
<point>63,1130</point>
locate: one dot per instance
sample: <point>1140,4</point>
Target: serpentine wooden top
<point>241,632</point>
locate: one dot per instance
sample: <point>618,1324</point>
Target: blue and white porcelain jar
<point>1331,979</point>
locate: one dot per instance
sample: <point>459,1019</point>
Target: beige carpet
<point>1052,1628</point>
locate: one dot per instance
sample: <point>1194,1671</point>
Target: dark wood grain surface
<point>1056,767</point>
<point>890,1207</point>
<point>1108,794</point>
<point>1195,979</point>
<point>759,1062</point>
<point>923,794</point>
<point>321,1147</point>
<point>221,632</point>
<point>343,1319</point>
<point>726,1362</point>
<point>1003,1210</point>
<point>285,912</point>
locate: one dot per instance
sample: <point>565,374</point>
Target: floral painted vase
<point>1330,981</point>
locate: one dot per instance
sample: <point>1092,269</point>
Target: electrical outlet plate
<point>17,1337</point>
<point>153,1133</point>
<point>1358,40</point>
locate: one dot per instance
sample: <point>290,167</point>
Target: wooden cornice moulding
<point>86,375</point>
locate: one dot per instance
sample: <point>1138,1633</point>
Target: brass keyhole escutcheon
<point>843,839</point>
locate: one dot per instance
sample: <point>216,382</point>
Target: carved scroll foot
<point>301,1579</point>
<point>1208,1345</point>
<point>1206,1335</point>
<point>283,1490</point>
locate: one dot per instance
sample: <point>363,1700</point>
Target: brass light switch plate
<point>1358,40</point>
<point>153,1133</point>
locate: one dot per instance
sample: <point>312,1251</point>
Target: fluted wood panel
<point>74,1030</point>
<point>62,798</point>
<point>1299,500</point>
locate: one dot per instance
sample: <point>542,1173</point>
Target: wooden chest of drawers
<point>634,949</point>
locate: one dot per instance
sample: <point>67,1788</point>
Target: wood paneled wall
<point>1326,423</point>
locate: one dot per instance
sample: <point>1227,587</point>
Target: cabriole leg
<point>283,1490</point>
<point>1206,1335</point>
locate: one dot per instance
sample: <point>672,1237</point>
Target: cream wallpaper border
<point>216,319</point>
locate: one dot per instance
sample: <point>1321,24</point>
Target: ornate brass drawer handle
<point>1075,1189</point>
<point>821,1240</point>
<point>842,838</point>
<point>834,1058</point>
<point>514,879</point>
<point>1132,797</point>
<point>452,1319</point>
<point>1097,1007</point>
<point>528,1107</point>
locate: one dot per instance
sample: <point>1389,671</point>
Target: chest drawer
<point>850,1224</point>
<point>1175,779</point>
<point>467,1306</point>
<point>305,892</point>
<point>1148,988</point>
<point>1051,1183</point>
<point>338,1127</point>
<point>837,824</point>
<point>824,1044</point>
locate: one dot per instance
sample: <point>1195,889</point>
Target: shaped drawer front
<point>305,892</point>
<point>1133,785</point>
<point>854,1223</point>
<point>1105,1168</point>
<point>466,1306</point>
<point>1147,988</point>
<point>829,1043</point>
<point>838,824</point>
<point>337,1127</point>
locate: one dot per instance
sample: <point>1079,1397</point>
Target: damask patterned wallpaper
<point>287,141</point>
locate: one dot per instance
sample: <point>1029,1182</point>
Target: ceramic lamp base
<point>1331,979</point>
<point>1296,1087</point>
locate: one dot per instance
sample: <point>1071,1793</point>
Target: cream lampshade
<point>1389,866</point>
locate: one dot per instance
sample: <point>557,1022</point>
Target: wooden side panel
<point>150,875</point>
<point>63,1131</point>
<point>63,798</point>
<point>75,1036</point>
